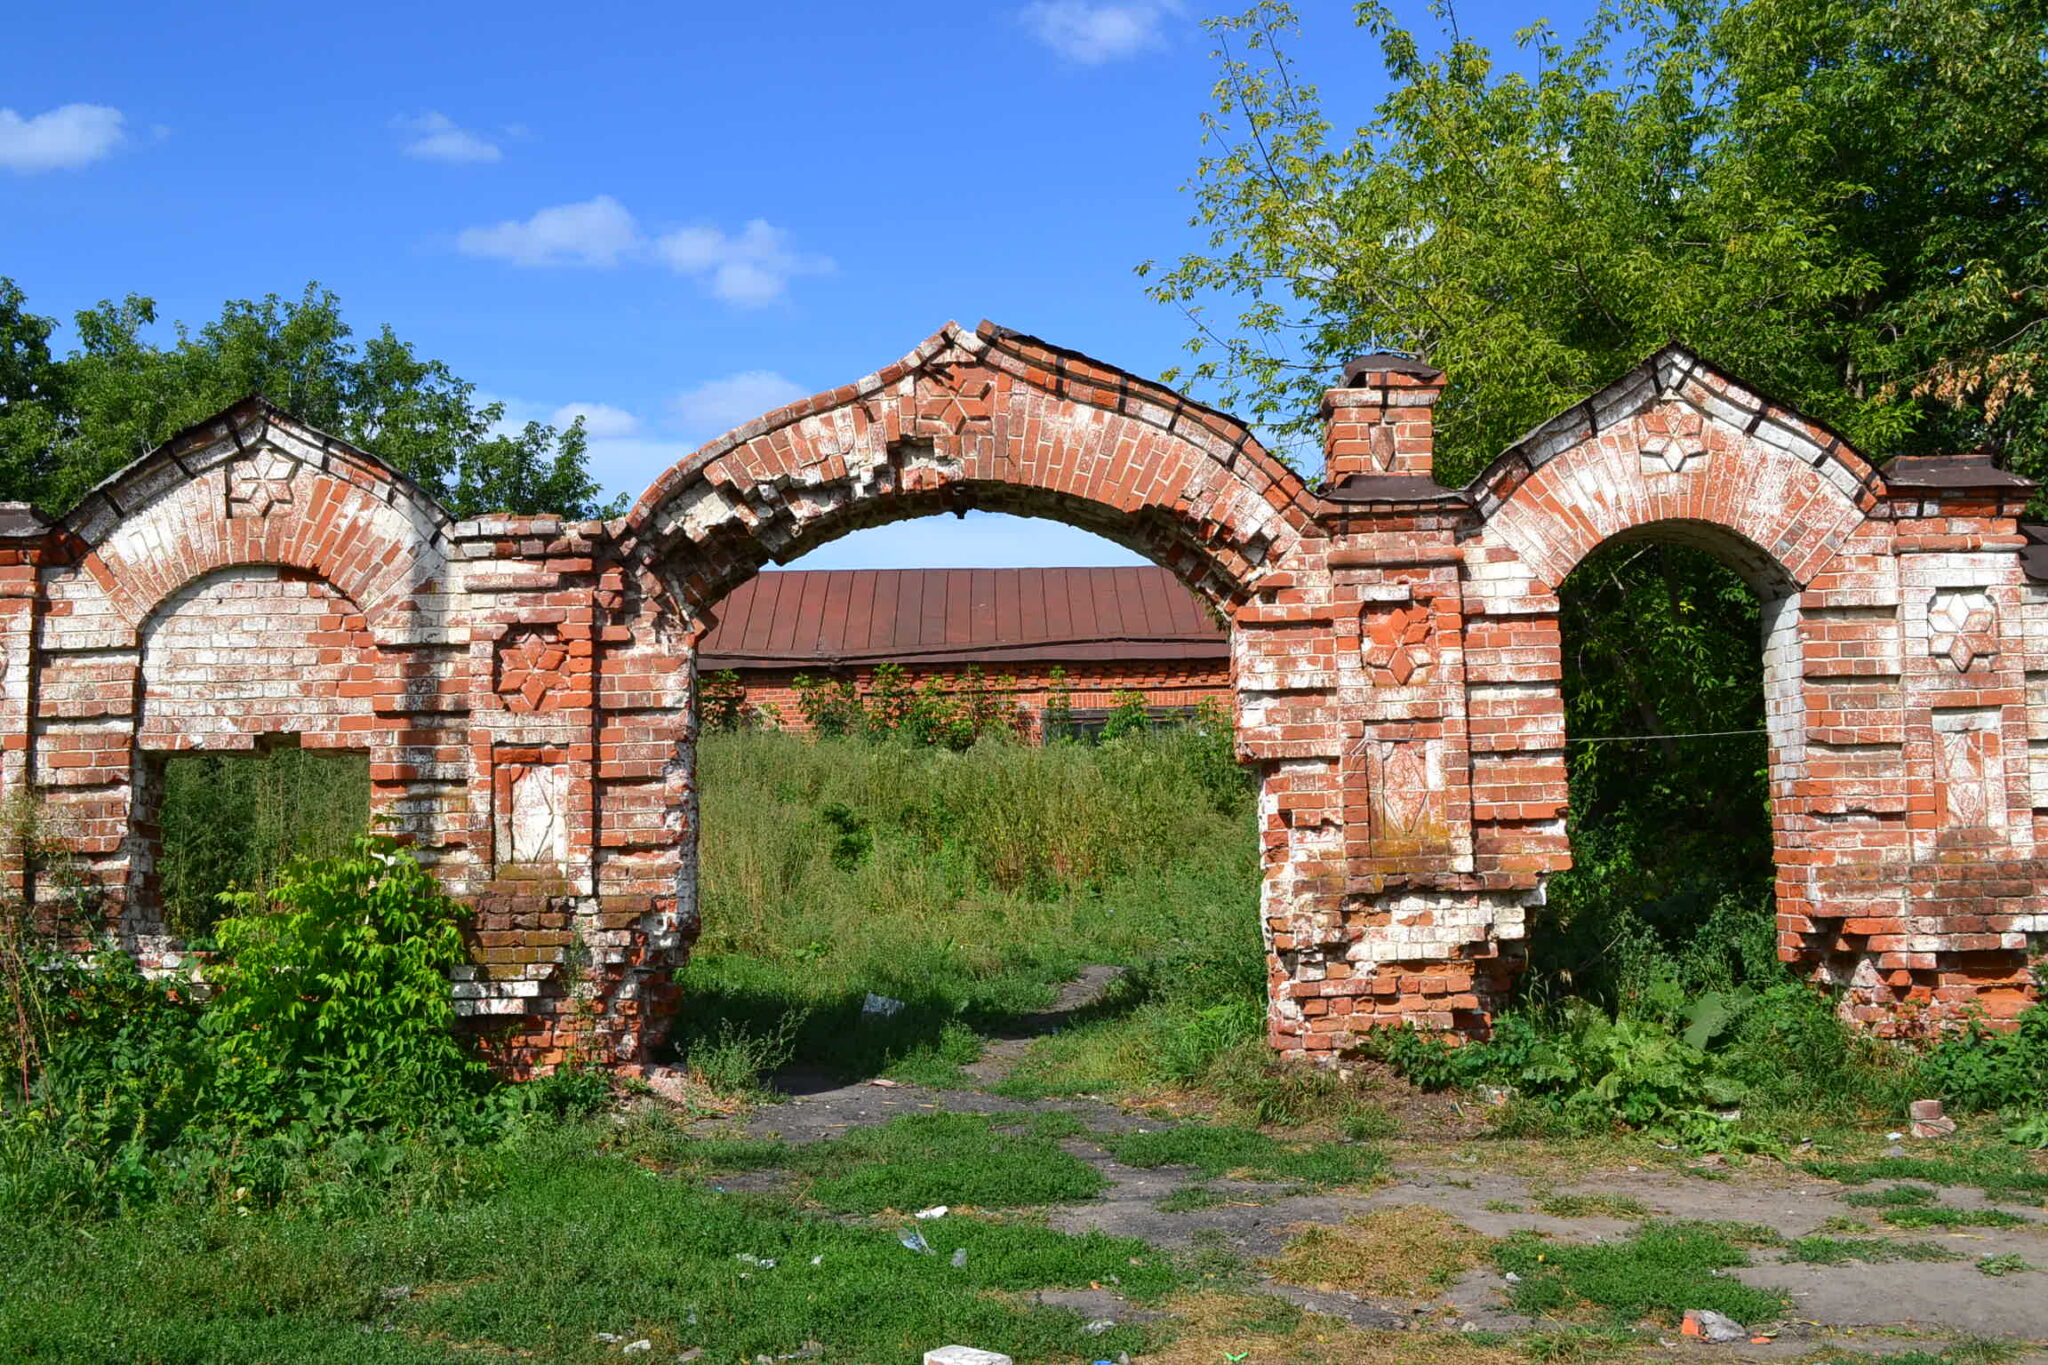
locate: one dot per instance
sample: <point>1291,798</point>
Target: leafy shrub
<point>1980,1070</point>
<point>332,996</point>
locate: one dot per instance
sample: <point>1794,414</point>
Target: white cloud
<point>718,405</point>
<point>436,137</point>
<point>1092,33</point>
<point>70,135</point>
<point>601,421</point>
<point>596,232</point>
<point>750,268</point>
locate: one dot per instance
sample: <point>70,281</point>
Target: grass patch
<point>1874,1250</point>
<point>1999,1173</point>
<point>1216,1327</point>
<point>1895,1197</point>
<point>1592,1206</point>
<point>1663,1270</point>
<point>1942,1216</point>
<point>571,1243</point>
<point>1218,1150</point>
<point>906,1164</point>
<point>1730,1230</point>
<point>2009,1264</point>
<point>1190,1199</point>
<point>1405,1253</point>
<point>1054,1126</point>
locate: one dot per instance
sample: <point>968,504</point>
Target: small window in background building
<point>1085,724</point>
<point>231,822</point>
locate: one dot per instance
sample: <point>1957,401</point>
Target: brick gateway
<point>524,687</point>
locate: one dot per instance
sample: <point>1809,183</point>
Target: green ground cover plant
<point>922,1160</point>
<point>568,1242</point>
<point>1998,1170</point>
<point>1943,1216</point>
<point>1819,1250</point>
<point>1663,1270</point>
<point>1219,1150</point>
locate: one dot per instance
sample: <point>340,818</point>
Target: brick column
<point>1380,420</point>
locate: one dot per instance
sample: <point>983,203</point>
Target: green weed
<point>1190,1199</point>
<point>570,1243</point>
<point>1894,1197</point>
<point>1221,1150</point>
<point>909,1163</point>
<point>1592,1206</point>
<point>1840,1251</point>
<point>1941,1216</point>
<point>1662,1270</point>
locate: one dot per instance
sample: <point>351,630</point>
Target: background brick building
<point>1111,630</point>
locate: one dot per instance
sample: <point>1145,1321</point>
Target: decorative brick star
<point>1961,624</point>
<point>1671,441</point>
<point>1396,641</point>
<point>260,483</point>
<point>957,396</point>
<point>530,670</point>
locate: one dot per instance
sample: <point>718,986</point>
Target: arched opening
<point>1679,646</point>
<point>946,784</point>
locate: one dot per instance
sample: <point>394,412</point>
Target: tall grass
<point>965,884</point>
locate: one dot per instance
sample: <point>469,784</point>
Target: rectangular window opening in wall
<point>233,821</point>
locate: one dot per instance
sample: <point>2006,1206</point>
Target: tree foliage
<point>1840,201</point>
<point>67,422</point>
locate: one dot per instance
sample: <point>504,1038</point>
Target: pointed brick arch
<point>1679,447</point>
<point>254,486</point>
<point>990,420</point>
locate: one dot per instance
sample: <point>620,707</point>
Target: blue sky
<point>669,217</point>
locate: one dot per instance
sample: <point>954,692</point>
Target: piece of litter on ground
<point>635,1347</point>
<point>880,1006</point>
<point>749,1258</point>
<point>817,1260</point>
<point>914,1240</point>
<point>960,1258</point>
<point>885,1083</point>
<point>1098,1327</point>
<point>1707,1325</point>
<point>965,1355</point>
<point>935,1211</point>
<point>606,1336</point>
<point>694,1353</point>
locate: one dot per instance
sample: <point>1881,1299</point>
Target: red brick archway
<point>988,420</point>
<point>525,687</point>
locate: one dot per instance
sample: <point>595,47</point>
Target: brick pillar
<point>1380,421</point>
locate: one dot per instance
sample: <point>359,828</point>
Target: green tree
<point>69,422</point>
<point>1844,202</point>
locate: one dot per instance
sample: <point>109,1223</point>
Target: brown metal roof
<point>994,617</point>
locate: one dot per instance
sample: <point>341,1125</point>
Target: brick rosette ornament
<point>1962,626</point>
<point>1395,641</point>
<point>260,483</point>
<point>530,664</point>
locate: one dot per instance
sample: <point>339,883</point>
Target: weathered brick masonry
<point>523,688</point>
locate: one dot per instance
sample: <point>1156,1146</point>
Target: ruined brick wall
<point>524,688</point>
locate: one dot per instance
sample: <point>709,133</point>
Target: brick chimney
<point>1380,420</point>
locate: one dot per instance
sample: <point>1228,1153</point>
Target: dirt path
<point>1886,1307</point>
